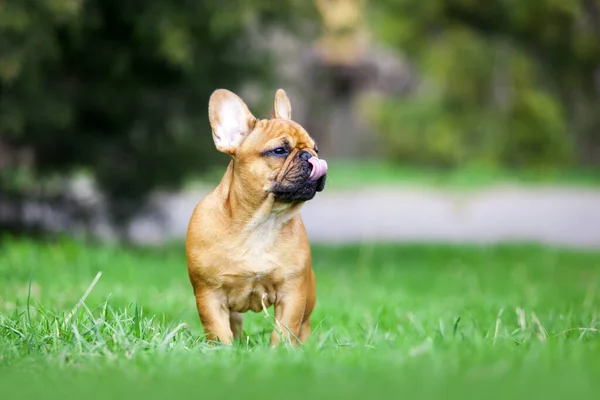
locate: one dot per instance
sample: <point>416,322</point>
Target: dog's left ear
<point>282,109</point>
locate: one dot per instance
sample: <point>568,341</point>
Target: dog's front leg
<point>289,311</point>
<point>214,316</point>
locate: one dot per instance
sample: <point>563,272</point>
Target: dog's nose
<point>305,155</point>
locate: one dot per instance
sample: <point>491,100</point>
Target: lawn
<point>426,322</point>
<point>368,173</point>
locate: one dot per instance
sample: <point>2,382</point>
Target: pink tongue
<point>319,168</point>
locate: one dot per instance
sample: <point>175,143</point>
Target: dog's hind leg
<point>236,320</point>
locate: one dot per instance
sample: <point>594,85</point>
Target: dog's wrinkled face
<point>272,156</point>
<point>284,158</point>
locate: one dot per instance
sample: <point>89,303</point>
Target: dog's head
<point>271,155</point>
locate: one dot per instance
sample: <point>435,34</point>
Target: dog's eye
<point>280,151</point>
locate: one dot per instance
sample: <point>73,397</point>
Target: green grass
<point>511,321</point>
<point>367,173</point>
<point>359,174</point>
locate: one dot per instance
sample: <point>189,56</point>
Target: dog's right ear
<point>230,120</point>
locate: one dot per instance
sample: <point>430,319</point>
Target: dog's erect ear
<point>282,109</point>
<point>230,120</point>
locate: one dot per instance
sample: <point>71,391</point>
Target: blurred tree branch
<point>118,90</point>
<point>501,82</point>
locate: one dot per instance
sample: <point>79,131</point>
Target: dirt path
<point>560,216</point>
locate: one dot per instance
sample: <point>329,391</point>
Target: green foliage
<point>499,83</point>
<point>500,322</point>
<point>120,89</point>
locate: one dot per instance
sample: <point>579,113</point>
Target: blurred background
<point>442,120</point>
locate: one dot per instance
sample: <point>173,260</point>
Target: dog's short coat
<point>246,244</point>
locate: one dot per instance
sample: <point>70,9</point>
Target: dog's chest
<point>262,237</point>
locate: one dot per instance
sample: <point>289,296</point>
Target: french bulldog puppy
<point>246,244</point>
